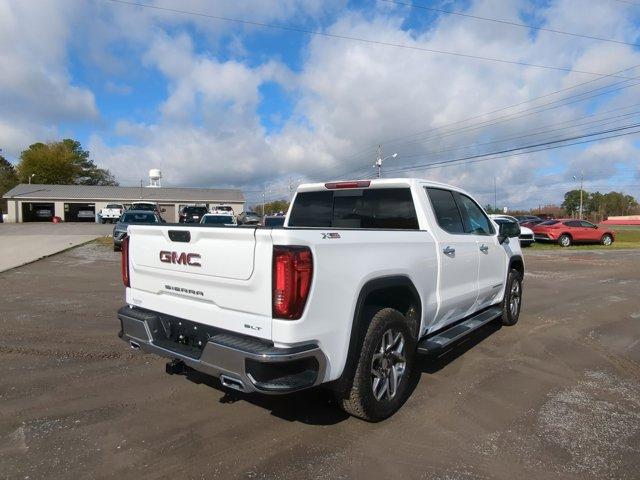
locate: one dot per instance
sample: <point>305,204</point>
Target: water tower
<point>155,176</point>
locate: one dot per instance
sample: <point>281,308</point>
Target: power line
<point>512,151</point>
<point>508,107</point>
<point>538,131</point>
<point>297,29</point>
<point>510,23</point>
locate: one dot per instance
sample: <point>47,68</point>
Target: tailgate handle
<point>180,236</point>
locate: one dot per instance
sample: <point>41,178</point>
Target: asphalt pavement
<point>556,396</point>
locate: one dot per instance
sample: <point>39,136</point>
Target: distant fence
<point>626,220</point>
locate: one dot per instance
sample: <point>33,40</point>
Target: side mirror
<point>508,230</point>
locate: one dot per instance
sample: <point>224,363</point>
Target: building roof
<point>95,192</point>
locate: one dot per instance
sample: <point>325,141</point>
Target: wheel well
<point>394,292</point>
<point>567,234</point>
<point>399,297</point>
<point>518,264</point>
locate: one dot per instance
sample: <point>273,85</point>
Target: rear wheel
<point>381,381</point>
<point>606,240</point>
<point>564,240</point>
<point>512,302</point>
<point>116,248</point>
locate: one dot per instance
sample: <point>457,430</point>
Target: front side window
<point>586,224</point>
<point>446,210</point>
<point>573,223</point>
<point>474,219</point>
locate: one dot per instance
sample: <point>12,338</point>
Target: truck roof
<point>378,182</point>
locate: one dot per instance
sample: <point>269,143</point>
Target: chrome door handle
<point>484,248</point>
<point>448,250</point>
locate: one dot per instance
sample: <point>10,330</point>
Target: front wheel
<point>381,383</point>
<point>606,240</point>
<point>512,302</point>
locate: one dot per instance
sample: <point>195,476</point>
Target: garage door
<point>170,212</point>
<point>79,212</point>
<point>37,212</point>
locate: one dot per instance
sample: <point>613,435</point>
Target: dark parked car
<point>527,218</point>
<point>249,218</point>
<point>274,221</point>
<point>129,217</point>
<point>192,214</point>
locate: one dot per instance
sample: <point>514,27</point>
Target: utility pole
<point>581,180</point>
<point>264,201</point>
<point>495,195</point>
<point>380,159</point>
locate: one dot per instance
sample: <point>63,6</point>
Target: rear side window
<point>312,209</point>
<point>474,220</point>
<point>378,208</point>
<point>573,223</point>
<point>446,210</point>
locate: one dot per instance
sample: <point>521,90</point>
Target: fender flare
<point>359,320</point>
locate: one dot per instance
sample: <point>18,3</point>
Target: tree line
<point>64,163</point>
<point>599,205</point>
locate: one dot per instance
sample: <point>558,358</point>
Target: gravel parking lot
<point>557,396</point>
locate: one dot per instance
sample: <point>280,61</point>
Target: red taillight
<point>358,184</point>
<point>124,262</point>
<point>292,273</point>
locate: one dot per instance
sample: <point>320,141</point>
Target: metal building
<point>77,203</point>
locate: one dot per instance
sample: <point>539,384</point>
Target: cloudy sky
<point>170,84</point>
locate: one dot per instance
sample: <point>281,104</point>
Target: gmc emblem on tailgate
<point>180,258</point>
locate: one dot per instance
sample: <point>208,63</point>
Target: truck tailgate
<point>211,275</point>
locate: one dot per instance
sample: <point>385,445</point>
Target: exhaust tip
<point>233,383</point>
<point>134,345</point>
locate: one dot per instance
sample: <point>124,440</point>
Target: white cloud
<point>36,89</point>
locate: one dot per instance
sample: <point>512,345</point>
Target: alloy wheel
<point>388,365</point>
<point>514,298</point>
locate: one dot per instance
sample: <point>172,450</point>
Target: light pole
<point>379,160</point>
<point>581,181</point>
<point>30,177</point>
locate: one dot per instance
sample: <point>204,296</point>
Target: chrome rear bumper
<point>241,362</point>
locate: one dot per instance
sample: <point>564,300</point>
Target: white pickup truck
<point>364,276</point>
<point>111,213</point>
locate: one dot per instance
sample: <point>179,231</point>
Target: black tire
<point>565,240</point>
<point>116,248</point>
<point>513,292</point>
<point>103,221</point>
<point>606,240</point>
<point>358,398</point>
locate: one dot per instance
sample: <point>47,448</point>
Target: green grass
<point>627,236</point>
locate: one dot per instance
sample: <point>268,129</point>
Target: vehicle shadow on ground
<point>318,406</point>
<point>431,365</point>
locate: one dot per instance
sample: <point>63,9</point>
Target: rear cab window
<point>374,208</point>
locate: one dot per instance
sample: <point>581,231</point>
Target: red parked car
<point>566,231</point>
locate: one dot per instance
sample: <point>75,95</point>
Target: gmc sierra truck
<point>364,276</point>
